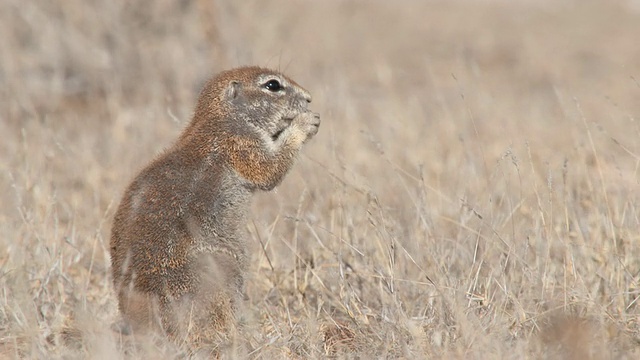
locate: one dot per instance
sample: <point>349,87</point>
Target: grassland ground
<point>473,191</point>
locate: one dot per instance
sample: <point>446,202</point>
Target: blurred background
<point>473,188</point>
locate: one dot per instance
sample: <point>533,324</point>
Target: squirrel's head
<point>256,97</point>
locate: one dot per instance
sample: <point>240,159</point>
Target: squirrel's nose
<point>302,100</point>
<point>306,96</point>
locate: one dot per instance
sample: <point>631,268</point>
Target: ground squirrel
<point>178,251</point>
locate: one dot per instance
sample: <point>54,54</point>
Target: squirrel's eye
<point>273,85</point>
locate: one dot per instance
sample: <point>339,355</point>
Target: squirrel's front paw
<point>308,122</point>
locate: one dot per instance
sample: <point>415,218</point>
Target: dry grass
<point>473,192</point>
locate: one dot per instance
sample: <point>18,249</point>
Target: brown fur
<point>177,246</point>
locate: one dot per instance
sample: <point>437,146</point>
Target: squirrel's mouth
<point>282,125</point>
<point>275,136</point>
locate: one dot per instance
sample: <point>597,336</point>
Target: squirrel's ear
<point>233,90</point>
